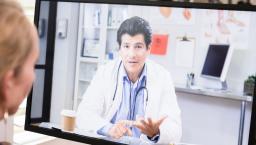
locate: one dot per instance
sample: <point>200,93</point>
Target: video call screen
<point>84,82</point>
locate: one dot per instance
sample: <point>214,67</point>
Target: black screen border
<point>48,67</point>
<point>217,6</point>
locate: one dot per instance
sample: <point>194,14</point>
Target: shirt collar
<point>141,77</point>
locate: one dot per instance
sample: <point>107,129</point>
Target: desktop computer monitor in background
<point>217,62</point>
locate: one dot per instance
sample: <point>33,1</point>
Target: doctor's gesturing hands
<point>150,127</point>
<point>147,126</point>
<point>120,129</point>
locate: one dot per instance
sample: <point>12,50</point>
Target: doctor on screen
<point>132,96</point>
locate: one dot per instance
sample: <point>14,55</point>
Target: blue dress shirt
<point>132,105</point>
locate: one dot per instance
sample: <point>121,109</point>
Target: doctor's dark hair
<point>133,26</point>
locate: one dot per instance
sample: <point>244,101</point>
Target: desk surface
<point>213,93</point>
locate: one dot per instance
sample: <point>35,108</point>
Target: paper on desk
<point>185,53</point>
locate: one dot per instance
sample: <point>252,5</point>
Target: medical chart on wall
<point>227,27</point>
<point>159,44</point>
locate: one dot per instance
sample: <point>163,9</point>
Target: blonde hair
<point>16,38</point>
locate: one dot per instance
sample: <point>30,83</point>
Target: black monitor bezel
<point>50,57</point>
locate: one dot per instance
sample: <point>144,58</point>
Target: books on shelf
<point>116,16</point>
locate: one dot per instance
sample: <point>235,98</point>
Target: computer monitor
<point>78,36</point>
<point>217,62</point>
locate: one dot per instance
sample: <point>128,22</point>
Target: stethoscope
<point>131,114</point>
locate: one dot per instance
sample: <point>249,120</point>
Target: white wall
<point>64,62</point>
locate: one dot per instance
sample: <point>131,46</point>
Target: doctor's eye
<point>125,46</point>
<point>139,47</point>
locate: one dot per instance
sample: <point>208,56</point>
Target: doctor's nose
<point>132,52</point>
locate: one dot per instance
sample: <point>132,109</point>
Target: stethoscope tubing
<point>140,89</point>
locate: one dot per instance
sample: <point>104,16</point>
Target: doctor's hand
<point>120,129</point>
<point>148,126</point>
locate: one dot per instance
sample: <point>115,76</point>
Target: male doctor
<point>132,95</point>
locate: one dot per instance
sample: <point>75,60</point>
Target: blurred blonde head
<point>17,40</point>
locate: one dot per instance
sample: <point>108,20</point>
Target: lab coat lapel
<point>117,100</point>
<point>153,92</point>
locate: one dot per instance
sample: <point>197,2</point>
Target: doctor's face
<point>133,51</point>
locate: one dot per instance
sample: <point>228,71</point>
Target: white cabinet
<point>97,41</point>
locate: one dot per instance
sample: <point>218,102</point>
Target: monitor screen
<point>215,60</point>
<point>114,72</point>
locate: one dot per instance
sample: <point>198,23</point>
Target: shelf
<point>82,88</point>
<point>85,80</point>
<point>89,59</point>
<point>87,71</point>
<point>213,93</point>
<point>90,56</point>
<point>112,27</point>
<point>91,27</point>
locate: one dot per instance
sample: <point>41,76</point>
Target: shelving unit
<point>97,42</point>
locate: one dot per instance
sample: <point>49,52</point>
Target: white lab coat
<point>98,107</point>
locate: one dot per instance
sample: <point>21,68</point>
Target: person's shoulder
<point>109,68</point>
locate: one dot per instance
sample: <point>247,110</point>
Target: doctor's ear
<point>149,48</point>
